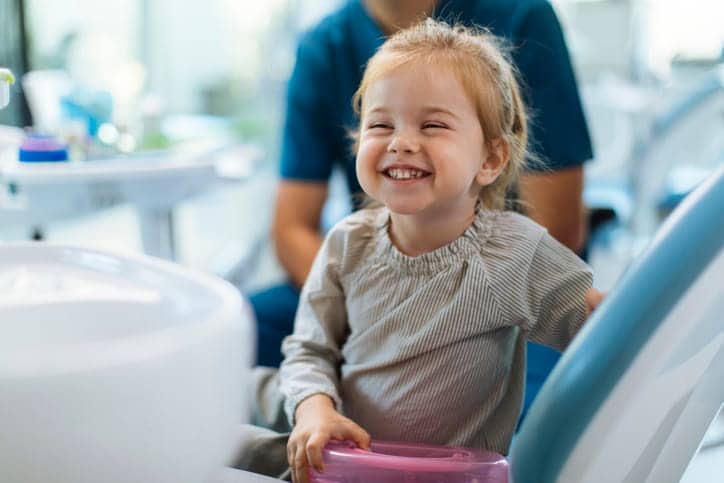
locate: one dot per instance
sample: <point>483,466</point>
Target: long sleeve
<point>431,348</point>
<point>556,286</point>
<point>313,352</point>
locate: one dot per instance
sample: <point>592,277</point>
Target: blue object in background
<point>276,306</point>
<point>91,107</point>
<point>42,149</point>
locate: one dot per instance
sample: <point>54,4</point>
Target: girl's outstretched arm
<point>593,299</point>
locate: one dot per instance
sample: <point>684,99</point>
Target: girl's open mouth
<point>404,174</point>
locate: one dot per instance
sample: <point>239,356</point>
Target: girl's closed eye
<point>379,125</point>
<point>434,125</point>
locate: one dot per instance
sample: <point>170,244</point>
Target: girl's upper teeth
<point>404,173</point>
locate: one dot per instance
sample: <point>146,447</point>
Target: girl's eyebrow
<point>426,110</point>
<point>433,109</point>
<point>377,109</point>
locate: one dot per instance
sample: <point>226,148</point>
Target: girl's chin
<point>405,208</point>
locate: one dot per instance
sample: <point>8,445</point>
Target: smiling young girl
<point>413,322</point>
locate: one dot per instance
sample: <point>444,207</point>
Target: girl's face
<point>421,147</point>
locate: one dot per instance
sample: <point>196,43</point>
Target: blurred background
<point>161,73</point>
<point>133,76</point>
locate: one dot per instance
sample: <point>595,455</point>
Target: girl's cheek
<point>371,150</point>
<point>365,152</point>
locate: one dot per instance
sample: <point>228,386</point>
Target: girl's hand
<point>593,299</point>
<point>317,422</point>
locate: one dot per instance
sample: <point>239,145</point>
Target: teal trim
<point>597,359</point>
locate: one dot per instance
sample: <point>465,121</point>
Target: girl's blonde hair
<point>481,63</point>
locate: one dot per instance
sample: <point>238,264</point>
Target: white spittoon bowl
<point>117,368</point>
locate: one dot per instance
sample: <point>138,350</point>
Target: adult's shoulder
<point>331,33</point>
<point>512,7</point>
<point>530,6</point>
<point>536,18</point>
<point>502,16</point>
<point>538,48</point>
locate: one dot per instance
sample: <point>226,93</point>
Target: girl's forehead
<point>415,74</point>
<point>417,82</point>
<point>417,65</point>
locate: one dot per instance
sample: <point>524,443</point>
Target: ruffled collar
<point>459,250</point>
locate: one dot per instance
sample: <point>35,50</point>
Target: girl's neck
<point>393,15</point>
<point>415,235</point>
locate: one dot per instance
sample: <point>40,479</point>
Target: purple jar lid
<point>38,148</point>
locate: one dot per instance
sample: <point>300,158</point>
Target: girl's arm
<point>310,371</point>
<point>593,299</point>
<point>558,296</point>
<point>313,353</point>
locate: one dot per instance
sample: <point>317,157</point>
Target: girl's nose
<point>403,143</point>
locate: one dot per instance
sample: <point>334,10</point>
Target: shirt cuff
<point>292,402</point>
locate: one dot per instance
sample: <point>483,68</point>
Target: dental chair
<point>635,392</point>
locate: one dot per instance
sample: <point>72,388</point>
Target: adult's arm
<point>553,192</point>
<point>295,226</point>
<point>310,145</point>
<point>555,200</point>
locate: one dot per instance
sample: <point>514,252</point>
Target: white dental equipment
<point>6,80</point>
<point>117,368</point>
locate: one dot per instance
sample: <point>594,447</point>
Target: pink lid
<point>38,142</point>
<point>389,462</point>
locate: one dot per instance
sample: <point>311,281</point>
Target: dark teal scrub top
<point>331,59</point>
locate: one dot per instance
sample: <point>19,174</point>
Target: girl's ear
<point>496,152</point>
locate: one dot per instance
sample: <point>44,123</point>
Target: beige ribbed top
<point>432,348</point>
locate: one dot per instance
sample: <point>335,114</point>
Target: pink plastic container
<point>409,463</point>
